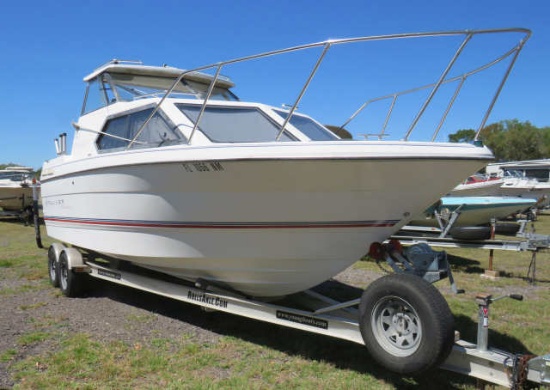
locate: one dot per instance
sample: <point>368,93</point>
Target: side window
<point>119,132</point>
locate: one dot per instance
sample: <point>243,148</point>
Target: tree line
<point>510,140</point>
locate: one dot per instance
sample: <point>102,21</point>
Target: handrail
<point>438,84</point>
<point>502,82</point>
<point>203,107</point>
<point>449,106</point>
<point>333,42</point>
<point>515,50</point>
<point>99,132</point>
<point>303,91</point>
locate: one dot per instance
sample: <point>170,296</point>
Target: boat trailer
<point>314,312</point>
<point>524,241</point>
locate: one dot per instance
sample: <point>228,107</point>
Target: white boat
<point>535,169</point>
<point>478,185</point>
<point>170,171</point>
<point>514,183</point>
<point>15,188</point>
<point>474,210</point>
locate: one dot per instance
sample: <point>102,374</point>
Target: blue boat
<point>474,210</point>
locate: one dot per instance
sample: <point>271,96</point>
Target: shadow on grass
<point>468,331</point>
<point>14,219</point>
<point>469,266</point>
<point>464,264</point>
<point>343,355</point>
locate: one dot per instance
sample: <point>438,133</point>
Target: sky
<point>49,46</point>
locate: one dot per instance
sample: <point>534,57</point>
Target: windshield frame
<point>109,88</point>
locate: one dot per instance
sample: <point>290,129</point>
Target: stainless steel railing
<point>327,45</point>
<point>460,83</point>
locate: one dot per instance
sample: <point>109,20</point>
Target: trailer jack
<point>493,365</point>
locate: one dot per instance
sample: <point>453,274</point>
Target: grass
<point>253,355</point>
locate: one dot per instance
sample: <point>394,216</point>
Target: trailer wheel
<point>70,282</point>
<point>507,228</point>
<point>406,323</point>
<point>53,267</point>
<point>471,233</point>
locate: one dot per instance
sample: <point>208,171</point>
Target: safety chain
<point>519,373</point>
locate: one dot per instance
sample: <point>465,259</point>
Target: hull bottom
<point>254,262</point>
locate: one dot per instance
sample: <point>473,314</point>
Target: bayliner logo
<point>283,315</point>
<point>208,299</point>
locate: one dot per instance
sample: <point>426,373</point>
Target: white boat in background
<point>15,188</point>
<point>535,169</point>
<point>515,184</point>
<point>524,178</point>
<point>478,185</point>
<point>169,170</point>
<point>473,210</point>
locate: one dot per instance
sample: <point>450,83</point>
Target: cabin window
<point>118,132</point>
<point>310,128</point>
<point>230,124</point>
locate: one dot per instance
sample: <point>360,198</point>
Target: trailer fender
<point>71,279</point>
<point>74,259</point>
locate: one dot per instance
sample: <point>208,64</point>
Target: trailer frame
<point>309,311</point>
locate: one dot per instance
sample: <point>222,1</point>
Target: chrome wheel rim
<point>396,326</point>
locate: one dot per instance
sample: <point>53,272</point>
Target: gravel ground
<point>110,312</point>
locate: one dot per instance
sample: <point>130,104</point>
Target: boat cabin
<point>129,105</point>
<point>534,169</point>
<point>13,174</point>
<point>125,81</point>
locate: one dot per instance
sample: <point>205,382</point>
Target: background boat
<point>474,210</point>
<point>15,188</point>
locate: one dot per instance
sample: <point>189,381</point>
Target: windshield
<point>512,173</point>
<point>14,176</point>
<point>310,128</point>
<point>110,88</point>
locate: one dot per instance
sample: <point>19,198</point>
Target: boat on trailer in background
<point>15,189</point>
<point>473,210</point>
<point>172,173</point>
<point>478,185</point>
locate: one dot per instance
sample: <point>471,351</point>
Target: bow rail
<point>328,44</point>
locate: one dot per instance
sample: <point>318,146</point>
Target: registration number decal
<point>203,166</point>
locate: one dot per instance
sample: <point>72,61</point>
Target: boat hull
<point>268,227</point>
<point>484,188</point>
<point>538,191</point>
<point>15,198</point>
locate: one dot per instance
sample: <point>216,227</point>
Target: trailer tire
<point>53,267</point>
<point>70,282</point>
<point>471,233</point>
<point>507,228</point>
<point>406,323</point>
